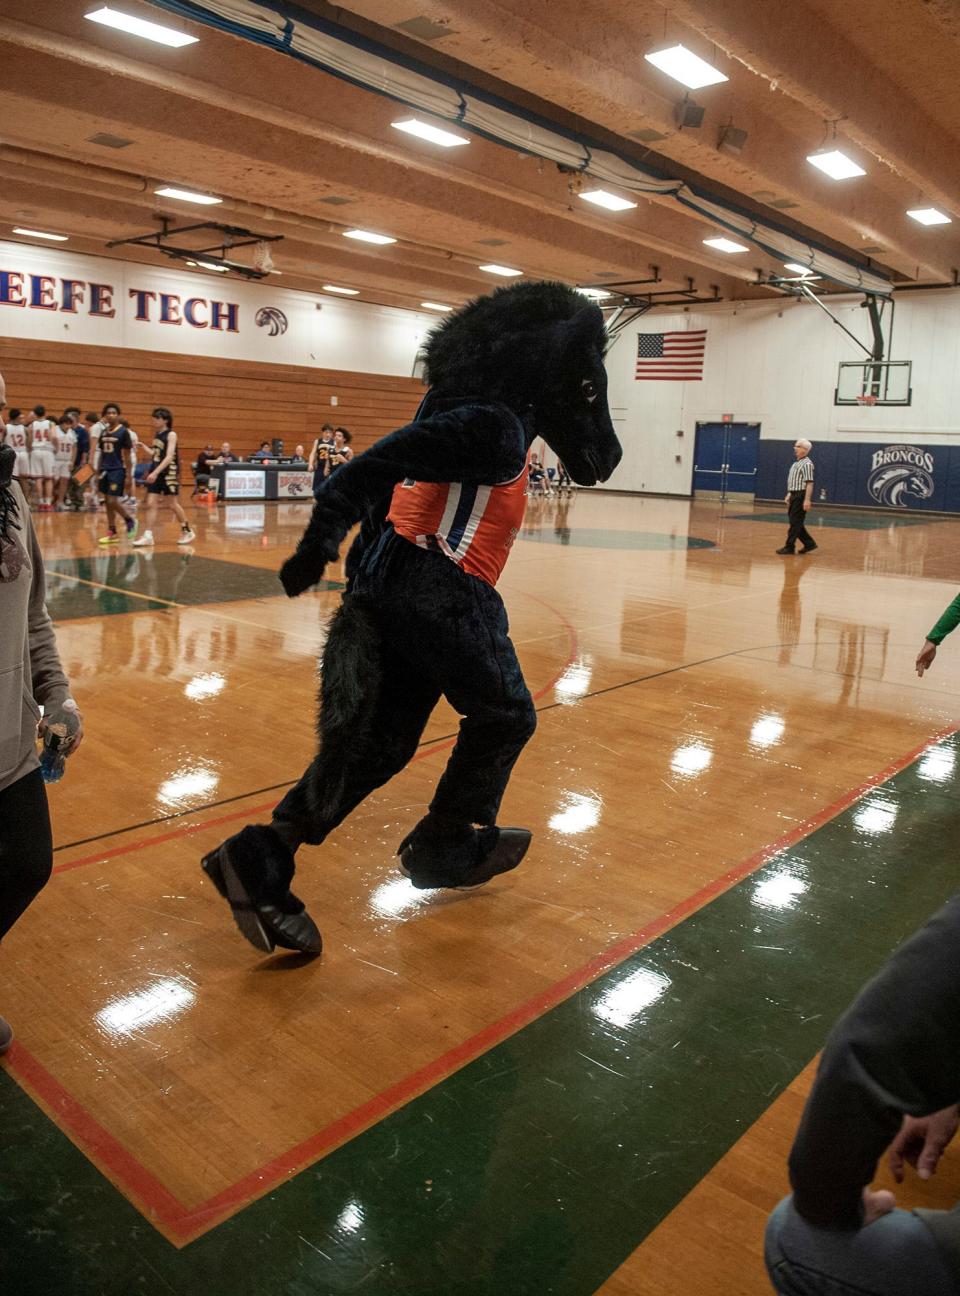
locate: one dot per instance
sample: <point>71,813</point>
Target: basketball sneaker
<point>145,539</point>
<point>186,536</point>
<point>132,526</point>
<point>110,538</point>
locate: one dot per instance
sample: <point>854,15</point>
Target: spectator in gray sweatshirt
<point>30,677</point>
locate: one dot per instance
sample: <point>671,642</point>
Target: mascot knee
<point>524,721</point>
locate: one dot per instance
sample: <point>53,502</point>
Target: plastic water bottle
<point>52,760</point>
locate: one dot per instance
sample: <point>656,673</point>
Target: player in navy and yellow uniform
<point>163,479</point>
<point>115,442</point>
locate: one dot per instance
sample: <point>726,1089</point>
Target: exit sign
<point>726,418</point>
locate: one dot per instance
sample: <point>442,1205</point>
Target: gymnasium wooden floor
<point>584,1077</point>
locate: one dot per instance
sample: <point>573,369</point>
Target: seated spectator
<point>537,477</point>
<point>892,1063</point>
<point>263,454</point>
<point>340,452</point>
<point>201,469</point>
<point>225,455</point>
<point>298,456</point>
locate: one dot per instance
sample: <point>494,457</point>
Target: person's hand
<point>922,1141</point>
<point>64,723</point>
<point>877,1203</point>
<point>925,656</point>
<point>786,498</point>
<point>151,477</point>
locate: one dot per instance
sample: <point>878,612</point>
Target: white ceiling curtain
<point>310,39</point>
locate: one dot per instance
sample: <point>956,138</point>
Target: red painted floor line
<point>130,848</point>
<point>185,1223</point>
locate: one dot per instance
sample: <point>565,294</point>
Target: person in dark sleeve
<point>890,1072</point>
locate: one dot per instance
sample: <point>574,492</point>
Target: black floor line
<point>549,706</point>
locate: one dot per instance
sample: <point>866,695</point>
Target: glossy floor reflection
<point>600,1028</point>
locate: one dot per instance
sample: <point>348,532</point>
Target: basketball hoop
<point>867,399</point>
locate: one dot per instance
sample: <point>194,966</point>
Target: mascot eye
<point>589,389</point>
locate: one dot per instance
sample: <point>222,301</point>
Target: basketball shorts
<point>22,466</point>
<point>62,469</point>
<point>164,486</point>
<point>42,463</point>
<point>112,482</point>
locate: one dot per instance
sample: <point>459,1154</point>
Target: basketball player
<point>65,453</point>
<point>42,466</point>
<point>319,453</point>
<point>17,441</point>
<point>113,444</point>
<point>163,480</point>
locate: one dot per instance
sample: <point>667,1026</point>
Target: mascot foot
<point>431,860</point>
<point>252,872</point>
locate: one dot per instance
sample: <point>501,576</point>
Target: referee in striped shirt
<point>798,497</point>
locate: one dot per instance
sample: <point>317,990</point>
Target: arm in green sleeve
<point>948,621</point>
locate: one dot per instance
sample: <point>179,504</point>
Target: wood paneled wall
<point>213,400</point>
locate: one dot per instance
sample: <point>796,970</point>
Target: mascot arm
<point>482,444</point>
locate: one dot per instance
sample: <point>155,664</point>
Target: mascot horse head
<point>891,485</point>
<point>537,348</point>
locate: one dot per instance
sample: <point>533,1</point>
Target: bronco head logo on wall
<point>272,319</point>
<point>901,476</point>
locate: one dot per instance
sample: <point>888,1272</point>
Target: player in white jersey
<point>65,453</point>
<point>17,440</point>
<point>42,467</point>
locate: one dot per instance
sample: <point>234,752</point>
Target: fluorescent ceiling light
<point>686,67</point>
<point>603,199</point>
<point>208,265</point>
<point>438,306</point>
<point>140,27</point>
<point>187,195</point>
<point>797,268</point>
<point>595,294</point>
<point>364,236</point>
<point>344,292</point>
<point>505,271</point>
<point>835,164</point>
<point>423,130</point>
<point>54,238</point>
<point>725,245</point>
<point>929,216</point>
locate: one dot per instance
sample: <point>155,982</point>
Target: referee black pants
<point>797,515</point>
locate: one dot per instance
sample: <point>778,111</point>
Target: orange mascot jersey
<point>475,526</point>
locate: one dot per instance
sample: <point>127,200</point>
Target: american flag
<point>671,357</point>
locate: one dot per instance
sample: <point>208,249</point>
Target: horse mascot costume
<point>440,502</point>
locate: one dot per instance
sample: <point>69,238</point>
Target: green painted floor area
<point>541,1166</point>
<point>599,538</point>
<point>846,521</point>
<point>140,581</point>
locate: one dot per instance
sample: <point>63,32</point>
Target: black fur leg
<point>253,871</point>
<point>431,860</point>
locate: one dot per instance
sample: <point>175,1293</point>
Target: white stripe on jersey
<point>474,520</point>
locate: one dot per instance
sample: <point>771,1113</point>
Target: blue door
<point>725,458</point>
<point>709,457</point>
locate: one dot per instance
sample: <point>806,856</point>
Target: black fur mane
<point>468,351</point>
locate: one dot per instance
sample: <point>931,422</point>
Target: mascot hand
<point>301,570</point>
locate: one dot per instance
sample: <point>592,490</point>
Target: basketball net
<point>867,399</point>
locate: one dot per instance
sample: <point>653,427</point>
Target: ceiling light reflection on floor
<point>574,682</point>
<point>159,1002</point>
<point>186,785</point>
<point>767,730</point>
<point>937,765</point>
<point>205,686</point>
<point>350,1218</point>
<point>624,1002</point>
<point>779,890</point>
<point>578,813</point>
<point>396,897</point>
<point>691,759</point>
<point>876,815</point>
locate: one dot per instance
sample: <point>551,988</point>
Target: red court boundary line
<point>182,1224</point>
<point>129,848</point>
